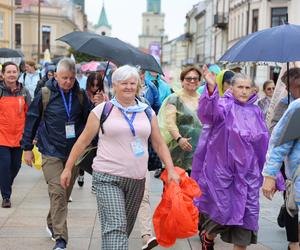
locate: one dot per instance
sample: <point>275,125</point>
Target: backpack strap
<point>45,99</point>
<point>24,75</point>
<point>108,106</point>
<point>148,112</point>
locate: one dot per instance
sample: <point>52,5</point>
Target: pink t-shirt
<point>114,154</point>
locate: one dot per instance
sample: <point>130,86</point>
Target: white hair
<point>240,76</point>
<point>66,64</point>
<point>125,72</point>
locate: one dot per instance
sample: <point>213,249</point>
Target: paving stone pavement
<point>22,227</point>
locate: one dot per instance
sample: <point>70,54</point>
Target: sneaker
<point>6,203</point>
<point>70,199</point>
<point>206,243</point>
<point>80,180</point>
<point>93,189</point>
<point>50,232</point>
<point>157,173</point>
<point>281,217</point>
<point>60,244</point>
<point>152,242</point>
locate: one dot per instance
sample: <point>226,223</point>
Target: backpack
<point>46,92</point>
<point>24,75</point>
<point>290,203</point>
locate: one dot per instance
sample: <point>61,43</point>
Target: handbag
<point>154,161</point>
<point>291,206</point>
<point>85,160</point>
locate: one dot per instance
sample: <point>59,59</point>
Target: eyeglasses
<point>191,79</point>
<point>271,88</point>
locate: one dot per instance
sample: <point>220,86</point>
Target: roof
<point>103,19</point>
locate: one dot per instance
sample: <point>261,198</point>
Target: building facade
<point>152,36</point>
<point>57,19</point>
<point>6,23</point>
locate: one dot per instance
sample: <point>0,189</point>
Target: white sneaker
<point>70,199</point>
<point>50,232</point>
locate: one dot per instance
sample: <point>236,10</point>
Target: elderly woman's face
<point>242,90</point>
<point>127,88</point>
<point>10,74</point>
<point>269,90</point>
<point>191,81</point>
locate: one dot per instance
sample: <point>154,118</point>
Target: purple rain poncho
<point>229,158</point>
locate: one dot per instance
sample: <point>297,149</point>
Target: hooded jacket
<point>13,108</point>
<point>228,161</point>
<point>52,139</point>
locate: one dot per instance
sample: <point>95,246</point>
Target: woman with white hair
<point>121,163</point>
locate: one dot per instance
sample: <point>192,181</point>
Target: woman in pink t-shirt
<point>121,162</point>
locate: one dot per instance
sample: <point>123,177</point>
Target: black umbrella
<point>111,49</point>
<point>10,53</point>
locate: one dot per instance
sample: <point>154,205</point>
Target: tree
<point>81,57</point>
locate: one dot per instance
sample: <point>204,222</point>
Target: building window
<point>1,26</point>
<point>18,2</point>
<point>18,35</point>
<point>254,20</point>
<point>46,31</point>
<point>278,16</point>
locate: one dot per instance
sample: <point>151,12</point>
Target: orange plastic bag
<point>176,216</point>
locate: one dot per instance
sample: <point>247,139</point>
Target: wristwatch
<point>178,139</point>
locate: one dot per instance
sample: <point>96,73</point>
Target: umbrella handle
<point>104,75</point>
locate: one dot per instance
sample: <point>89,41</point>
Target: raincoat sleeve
<point>171,118</point>
<point>209,110</point>
<point>276,155</point>
<point>33,119</point>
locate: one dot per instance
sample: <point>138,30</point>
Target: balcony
<point>221,20</point>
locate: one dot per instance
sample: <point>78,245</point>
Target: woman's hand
<point>209,78</point>
<point>269,187</point>
<point>65,178</point>
<point>98,98</point>
<point>185,145</point>
<point>173,176</point>
<point>29,158</point>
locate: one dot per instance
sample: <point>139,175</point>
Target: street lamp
<point>161,45</point>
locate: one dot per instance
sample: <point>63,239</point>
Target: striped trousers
<point>118,202</point>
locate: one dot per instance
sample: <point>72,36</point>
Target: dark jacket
<point>52,136</point>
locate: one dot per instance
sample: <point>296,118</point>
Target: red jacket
<point>13,108</point>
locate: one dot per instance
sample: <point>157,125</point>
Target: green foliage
<point>81,57</point>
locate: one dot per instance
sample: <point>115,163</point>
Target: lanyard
<point>67,107</point>
<point>130,121</point>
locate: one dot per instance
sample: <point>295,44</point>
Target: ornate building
<point>6,22</point>
<point>152,36</point>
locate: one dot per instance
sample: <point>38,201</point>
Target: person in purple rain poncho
<point>229,168</point>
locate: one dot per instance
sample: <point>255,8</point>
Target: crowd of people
<point>214,128</point>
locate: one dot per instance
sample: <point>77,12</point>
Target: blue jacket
<point>52,136</point>
<point>152,96</point>
<point>289,151</point>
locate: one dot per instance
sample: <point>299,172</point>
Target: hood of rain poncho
<point>164,89</point>
<point>229,158</point>
<point>220,80</point>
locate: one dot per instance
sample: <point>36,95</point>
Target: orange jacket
<point>13,108</point>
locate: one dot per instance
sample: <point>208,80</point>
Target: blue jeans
<point>10,164</point>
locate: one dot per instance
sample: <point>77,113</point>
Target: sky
<point>125,16</point>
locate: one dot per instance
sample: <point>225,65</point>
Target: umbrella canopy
<point>10,53</point>
<point>277,44</point>
<point>110,48</point>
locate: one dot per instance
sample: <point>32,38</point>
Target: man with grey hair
<point>63,107</point>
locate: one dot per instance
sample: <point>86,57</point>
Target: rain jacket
<point>289,151</point>
<point>52,136</point>
<point>164,89</point>
<point>13,108</point>
<point>228,166</point>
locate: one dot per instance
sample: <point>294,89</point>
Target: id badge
<point>70,130</point>
<point>137,147</point>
